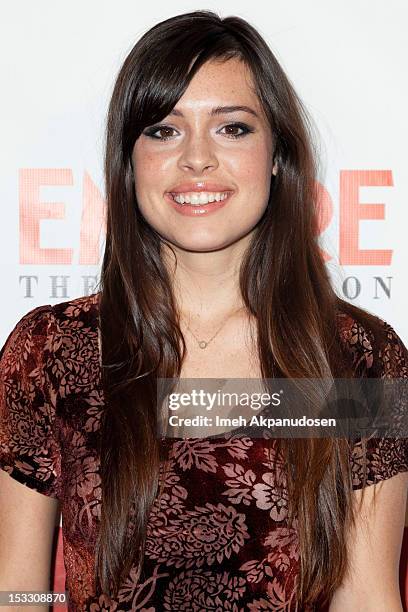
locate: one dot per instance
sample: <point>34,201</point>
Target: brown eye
<point>233,130</point>
<point>163,130</point>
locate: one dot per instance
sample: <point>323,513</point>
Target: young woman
<point>211,270</point>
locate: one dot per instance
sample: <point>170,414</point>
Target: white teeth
<point>199,197</point>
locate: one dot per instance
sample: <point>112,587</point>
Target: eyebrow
<point>220,110</point>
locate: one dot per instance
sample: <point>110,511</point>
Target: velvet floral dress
<point>219,539</point>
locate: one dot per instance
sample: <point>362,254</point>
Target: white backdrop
<point>58,62</point>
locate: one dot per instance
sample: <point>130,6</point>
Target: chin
<point>202,244</point>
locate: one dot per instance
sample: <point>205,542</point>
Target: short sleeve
<point>29,448</point>
<point>383,458</point>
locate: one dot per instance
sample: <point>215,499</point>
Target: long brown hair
<point>284,284</point>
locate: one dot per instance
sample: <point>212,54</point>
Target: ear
<point>275,168</point>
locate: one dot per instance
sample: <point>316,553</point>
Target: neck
<point>206,284</point>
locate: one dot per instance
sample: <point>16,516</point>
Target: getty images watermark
<point>281,407</point>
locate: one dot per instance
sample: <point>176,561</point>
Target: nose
<point>198,155</point>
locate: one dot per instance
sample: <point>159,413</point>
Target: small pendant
<point>202,344</point>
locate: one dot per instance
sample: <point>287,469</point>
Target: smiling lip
<point>198,210</point>
<point>199,186</point>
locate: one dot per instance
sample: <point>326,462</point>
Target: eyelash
<point>151,131</point>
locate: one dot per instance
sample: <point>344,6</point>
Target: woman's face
<point>201,153</point>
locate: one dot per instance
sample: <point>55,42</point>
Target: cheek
<point>253,168</point>
<point>149,168</point>
<point>144,170</point>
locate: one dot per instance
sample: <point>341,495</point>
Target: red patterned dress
<point>219,540</point>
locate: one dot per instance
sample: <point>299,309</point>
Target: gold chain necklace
<point>204,343</point>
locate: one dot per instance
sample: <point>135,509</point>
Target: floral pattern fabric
<point>219,539</point>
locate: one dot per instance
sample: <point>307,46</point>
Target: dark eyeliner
<point>246,129</point>
<point>243,126</point>
<point>150,131</point>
